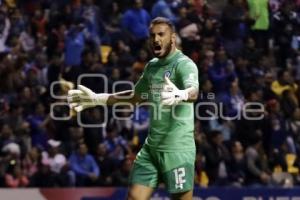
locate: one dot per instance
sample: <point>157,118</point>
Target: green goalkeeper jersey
<point>171,127</point>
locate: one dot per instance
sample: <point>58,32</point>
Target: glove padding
<point>171,95</point>
<point>83,98</point>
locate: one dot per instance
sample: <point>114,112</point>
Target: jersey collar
<point>167,60</point>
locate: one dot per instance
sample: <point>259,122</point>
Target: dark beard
<point>168,50</point>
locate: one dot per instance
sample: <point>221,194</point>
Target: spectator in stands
<point>93,135</point>
<point>121,176</point>
<point>112,18</point>
<point>112,63</point>
<point>84,166</point>
<point>277,158</point>
<point>268,94</point>
<point>250,51</point>
<point>220,123</point>
<point>248,130</point>
<point>39,22</point>
<point>234,26</point>
<point>210,33</point>
<point>28,100</point>
<point>237,165</point>
<point>31,161</point>
<point>38,126</point>
<point>7,137</point>
<point>55,40</point>
<point>183,18</point>
<point>27,39</point>
<point>286,21</point>
<point>289,103</point>
<point>257,170</point>
<point>284,81</point>
<point>136,21</point>
<point>4,31</point>
<point>15,119</point>
<point>222,73</point>
<point>89,65</point>
<point>140,62</point>
<point>74,45</point>
<point>162,9</point>
<point>233,101</point>
<point>275,131</point>
<point>18,23</point>
<point>117,146</point>
<point>54,69</point>
<point>106,164</point>
<point>75,136</point>
<point>216,156</point>
<point>141,120</point>
<point>200,174</point>
<point>243,73</point>
<point>123,124</point>
<point>93,23</point>
<point>121,59</point>
<point>44,177</point>
<point>52,156</point>
<point>207,61</point>
<point>259,13</point>
<point>14,176</point>
<point>206,100</point>
<point>294,127</point>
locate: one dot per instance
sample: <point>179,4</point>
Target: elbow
<point>194,95</point>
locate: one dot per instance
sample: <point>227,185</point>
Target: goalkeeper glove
<point>171,95</point>
<point>83,98</point>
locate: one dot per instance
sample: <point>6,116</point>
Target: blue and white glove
<point>171,95</point>
<point>83,98</point>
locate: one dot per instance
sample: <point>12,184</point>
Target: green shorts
<point>174,169</point>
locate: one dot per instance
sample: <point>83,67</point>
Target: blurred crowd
<point>248,55</point>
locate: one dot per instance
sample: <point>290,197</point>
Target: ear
<point>173,38</point>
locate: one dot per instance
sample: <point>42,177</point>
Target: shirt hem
<point>169,150</point>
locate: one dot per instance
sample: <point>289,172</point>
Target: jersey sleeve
<point>187,73</point>
<point>142,85</point>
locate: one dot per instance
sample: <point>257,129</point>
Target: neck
<point>173,49</point>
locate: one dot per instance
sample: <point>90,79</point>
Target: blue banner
<point>219,194</point>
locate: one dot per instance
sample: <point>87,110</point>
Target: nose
<point>156,39</point>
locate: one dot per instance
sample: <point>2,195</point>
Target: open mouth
<point>157,49</point>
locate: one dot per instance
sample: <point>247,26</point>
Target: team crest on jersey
<point>167,74</point>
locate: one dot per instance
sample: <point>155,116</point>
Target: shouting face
<point>162,40</point>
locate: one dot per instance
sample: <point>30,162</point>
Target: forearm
<point>120,97</point>
<point>82,98</point>
<point>192,94</point>
<point>127,96</point>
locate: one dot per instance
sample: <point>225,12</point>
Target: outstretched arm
<point>82,98</point>
<point>127,96</point>
<point>192,94</point>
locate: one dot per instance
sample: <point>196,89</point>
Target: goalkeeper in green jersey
<point>169,85</point>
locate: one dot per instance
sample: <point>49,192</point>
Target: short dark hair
<point>163,20</point>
